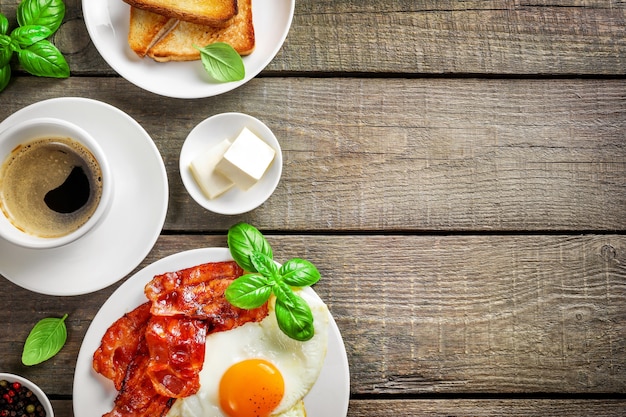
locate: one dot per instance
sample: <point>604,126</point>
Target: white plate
<point>94,394</point>
<point>209,133</point>
<point>107,23</point>
<point>124,237</point>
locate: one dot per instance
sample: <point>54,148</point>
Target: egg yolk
<point>251,388</point>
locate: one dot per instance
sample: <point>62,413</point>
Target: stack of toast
<point>168,30</point>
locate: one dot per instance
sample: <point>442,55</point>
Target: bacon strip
<point>198,292</point>
<point>119,344</point>
<point>176,347</point>
<point>155,353</point>
<point>138,398</point>
<point>189,291</point>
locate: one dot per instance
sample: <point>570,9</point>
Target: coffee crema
<point>50,187</point>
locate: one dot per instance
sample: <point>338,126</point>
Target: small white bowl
<point>43,399</point>
<point>32,129</point>
<point>212,131</point>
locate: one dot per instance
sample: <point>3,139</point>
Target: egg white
<point>299,363</point>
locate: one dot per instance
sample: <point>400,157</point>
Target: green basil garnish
<point>249,291</point>
<point>49,13</point>
<point>5,76</point>
<point>44,60</point>
<point>44,341</point>
<point>299,273</point>
<point>252,252</point>
<point>264,264</point>
<point>243,240</point>
<point>6,50</point>
<point>4,25</point>
<point>293,314</point>
<point>38,20</point>
<point>26,36</point>
<point>222,62</point>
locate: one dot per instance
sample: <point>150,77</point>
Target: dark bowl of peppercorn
<point>20,397</point>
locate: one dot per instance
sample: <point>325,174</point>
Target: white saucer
<point>129,231</point>
<point>212,131</point>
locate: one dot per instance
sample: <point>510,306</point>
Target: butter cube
<point>202,167</point>
<point>247,159</point>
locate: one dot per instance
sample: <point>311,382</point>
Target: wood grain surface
<point>441,37</point>
<point>423,154</point>
<point>455,169</point>
<point>464,408</point>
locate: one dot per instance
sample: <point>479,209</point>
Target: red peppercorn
<point>16,385</point>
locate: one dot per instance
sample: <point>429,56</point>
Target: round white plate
<point>209,133</point>
<point>94,394</point>
<point>122,239</point>
<point>108,21</point>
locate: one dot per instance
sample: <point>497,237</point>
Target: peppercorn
<point>17,400</point>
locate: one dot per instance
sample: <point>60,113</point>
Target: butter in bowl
<point>231,163</point>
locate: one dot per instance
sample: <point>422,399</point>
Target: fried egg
<point>255,370</point>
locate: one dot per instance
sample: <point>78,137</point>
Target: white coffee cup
<point>40,133</point>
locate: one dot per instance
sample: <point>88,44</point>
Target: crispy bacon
<point>176,346</point>
<point>138,398</point>
<point>155,353</point>
<point>198,292</point>
<point>189,291</point>
<point>119,344</point>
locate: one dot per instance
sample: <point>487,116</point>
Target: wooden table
<point>456,170</point>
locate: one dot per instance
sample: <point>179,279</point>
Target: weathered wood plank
<point>484,408</point>
<point>448,37</point>
<point>391,154</point>
<point>458,408</point>
<point>425,37</point>
<point>424,314</point>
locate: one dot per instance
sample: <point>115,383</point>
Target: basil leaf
<point>4,24</point>
<point>294,315</point>
<point>249,291</point>
<point>5,76</point>
<point>6,50</point>
<point>299,273</point>
<point>44,59</point>
<point>243,240</point>
<point>253,253</point>
<point>49,13</point>
<point>44,341</point>
<point>25,36</point>
<point>264,264</point>
<point>222,62</point>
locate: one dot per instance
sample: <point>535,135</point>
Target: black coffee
<point>50,187</point>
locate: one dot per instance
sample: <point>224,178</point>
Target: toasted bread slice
<point>178,44</point>
<point>216,13</point>
<point>146,28</point>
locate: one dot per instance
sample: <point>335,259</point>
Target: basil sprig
<point>253,253</point>
<point>37,20</point>
<point>44,341</point>
<point>222,62</point>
